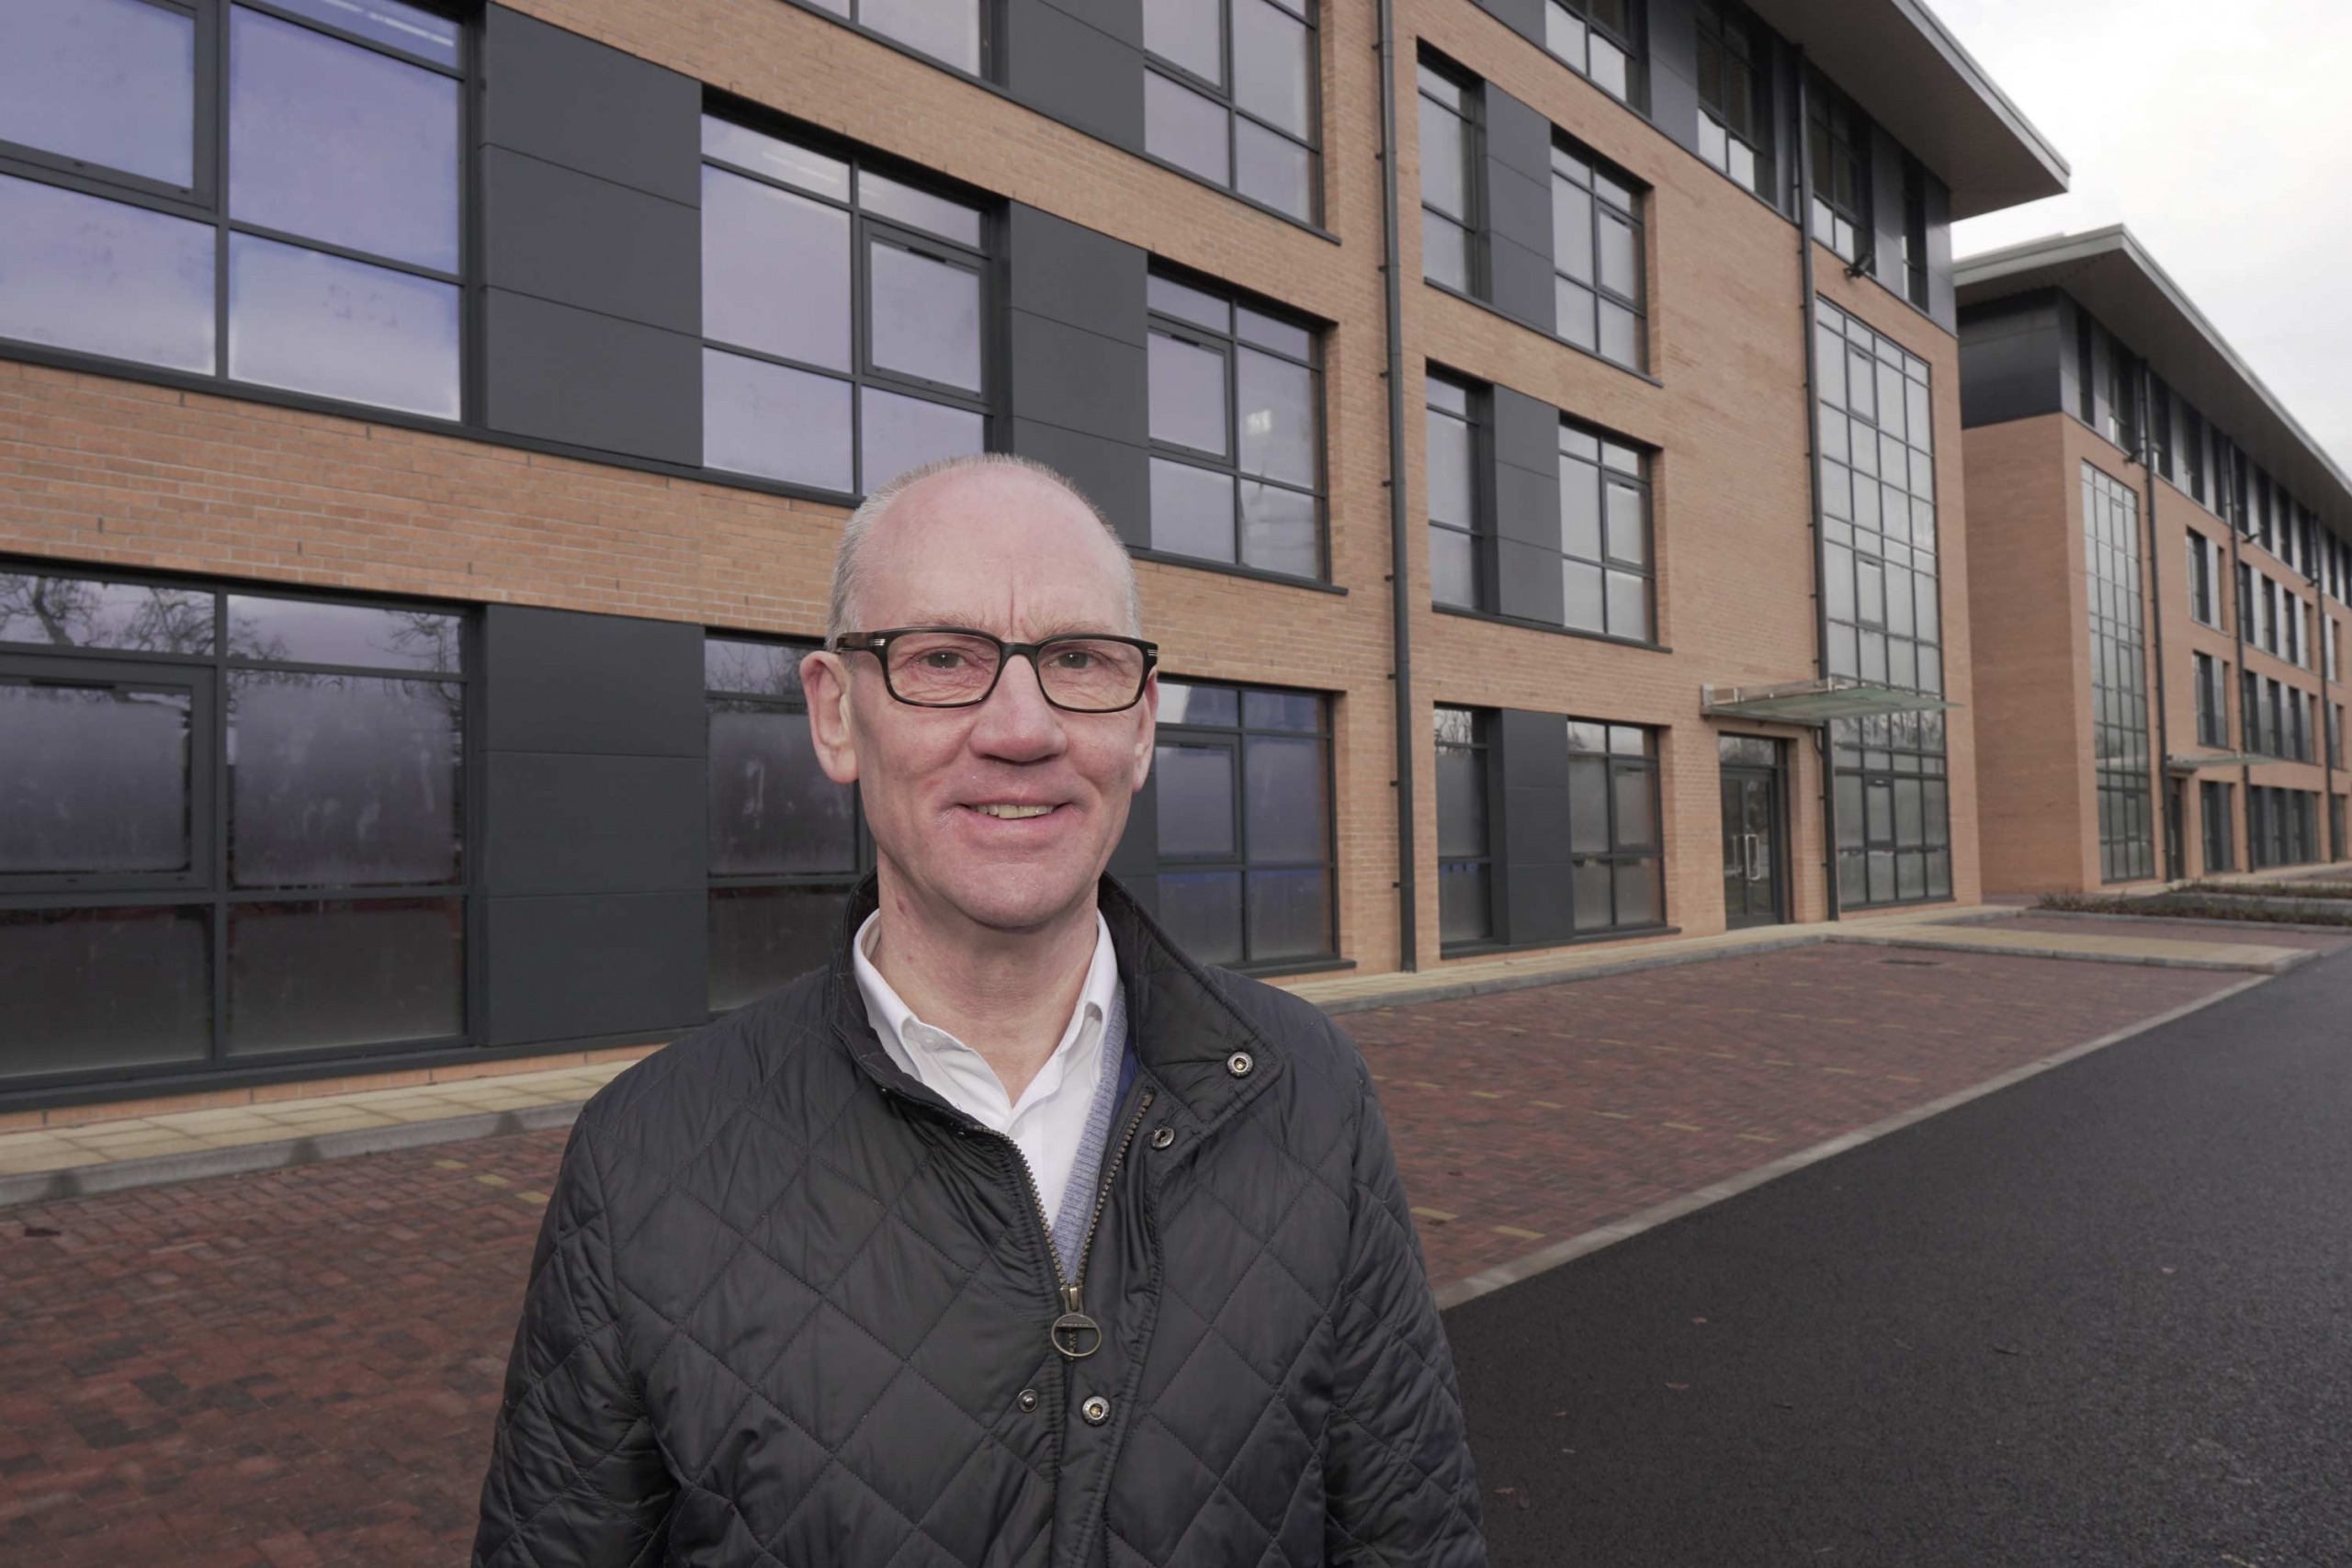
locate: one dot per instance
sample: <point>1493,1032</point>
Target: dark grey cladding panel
<point>1886,212</point>
<point>1518,136</point>
<point>1518,209</point>
<point>1080,380</point>
<point>559,235</point>
<point>585,378</point>
<point>1943,306</point>
<point>1538,898</point>
<point>1080,61</point>
<point>564,681</point>
<point>1530,837</point>
<point>2010,364</point>
<point>1527,508</point>
<point>2070,379</point>
<point>1528,581</point>
<point>1674,69</point>
<point>1066,272</point>
<point>2101,402</point>
<point>569,100</point>
<point>1526,431</point>
<point>593,965</point>
<point>1535,748</point>
<point>566,823</point>
<point>1524,18</point>
<point>1114,475</point>
<point>1520,284</point>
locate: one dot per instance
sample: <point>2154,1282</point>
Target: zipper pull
<point>1070,1299</point>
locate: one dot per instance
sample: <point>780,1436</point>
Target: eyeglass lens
<point>945,669</point>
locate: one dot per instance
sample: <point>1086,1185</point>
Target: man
<point>1013,1237</point>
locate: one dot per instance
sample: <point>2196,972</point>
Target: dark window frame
<point>1599,179</point>
<point>1629,40</point>
<point>867,228</point>
<point>209,883</point>
<point>1731,39</point>
<point>206,201</point>
<point>987,20</point>
<point>1469,109</point>
<point>2120,701</point>
<point>1610,446</point>
<point>1619,763</point>
<point>1479,745</point>
<point>2211,690</point>
<point>2203,559</point>
<point>1838,139</point>
<point>1477,415</point>
<point>2216,818</point>
<point>1308,13</point>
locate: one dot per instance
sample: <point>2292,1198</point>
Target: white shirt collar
<point>962,1076</point>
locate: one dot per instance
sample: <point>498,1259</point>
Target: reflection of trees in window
<point>70,612</point>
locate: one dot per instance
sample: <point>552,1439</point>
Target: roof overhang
<point>1821,701</point>
<point>2112,276</point>
<point>2194,762</point>
<point>1898,62</point>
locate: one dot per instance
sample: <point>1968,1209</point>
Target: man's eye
<point>943,658</point>
<point>1073,659</point>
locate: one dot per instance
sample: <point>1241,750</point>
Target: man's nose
<point>1017,719</point>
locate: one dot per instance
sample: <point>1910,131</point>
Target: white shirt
<point>1050,1122</point>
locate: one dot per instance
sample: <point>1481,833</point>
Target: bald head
<point>995,516</point>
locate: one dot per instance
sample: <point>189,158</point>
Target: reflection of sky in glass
<point>337,143</point>
<point>926,317</point>
<point>313,322</point>
<point>420,33</point>
<point>776,158</point>
<point>109,82</point>
<point>80,273</point>
<point>342,780</point>
<point>899,433</point>
<point>762,419</point>
<point>306,631</point>
<point>774,271</point>
<point>72,612</point>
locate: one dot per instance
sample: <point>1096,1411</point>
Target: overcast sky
<point>2223,135</point>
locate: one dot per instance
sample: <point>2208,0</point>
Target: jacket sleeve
<point>1399,1484</point>
<point>575,1476</point>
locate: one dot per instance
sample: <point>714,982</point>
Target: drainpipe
<point>2147,455</point>
<point>1813,475</point>
<point>2225,480</point>
<point>1399,522</point>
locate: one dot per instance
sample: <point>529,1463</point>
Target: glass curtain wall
<point>2120,752</point>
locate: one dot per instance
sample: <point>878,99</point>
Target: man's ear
<point>1146,728</point>
<point>824,679</point>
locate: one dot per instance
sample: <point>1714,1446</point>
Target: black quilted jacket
<point>791,1309</point>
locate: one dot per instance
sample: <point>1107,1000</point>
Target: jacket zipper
<point>1074,1333</point>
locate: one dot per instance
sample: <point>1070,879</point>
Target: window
<point>2335,734</point>
<point>1885,613</point>
<point>1231,95</point>
<point>2331,636</point>
<point>1450,180</point>
<point>1236,434</point>
<point>2250,731</point>
<point>2220,835</point>
<point>1459,536</point>
<point>1915,231</point>
<point>1596,38</point>
<point>1465,883</point>
<point>2193,429</point>
<point>786,843</point>
<point>2202,560</point>
<point>268,195</point>
<point>1244,804</point>
<point>231,826</point>
<point>948,30</point>
<point>841,314</point>
<point>1606,564</point>
<point>1736,95</point>
<point>2336,827</point>
<point>1615,852</point>
<point>2121,755</point>
<point>1839,141</point>
<point>2122,399</point>
<point>2281,826</point>
<point>2213,700</point>
<point>1596,252</point>
<point>2160,427</point>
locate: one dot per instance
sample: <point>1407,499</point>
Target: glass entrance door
<point>1752,879</point>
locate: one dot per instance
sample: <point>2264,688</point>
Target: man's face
<point>1004,552</point>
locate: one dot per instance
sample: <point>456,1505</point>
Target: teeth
<point>1010,812</point>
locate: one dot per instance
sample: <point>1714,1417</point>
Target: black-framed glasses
<point>956,667</point>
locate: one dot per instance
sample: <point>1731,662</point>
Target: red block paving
<point>300,1368</point>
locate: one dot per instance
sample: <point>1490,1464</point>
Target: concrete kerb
<point>1488,1280</point>
<point>239,1159</point>
<point>2287,958</point>
<point>1442,990</point>
<point>2156,923</point>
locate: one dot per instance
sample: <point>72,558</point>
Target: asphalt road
<point>2103,1317</point>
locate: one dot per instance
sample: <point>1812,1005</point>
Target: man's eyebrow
<point>1063,628</point>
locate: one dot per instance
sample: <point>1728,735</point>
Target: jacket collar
<point>1181,1028</point>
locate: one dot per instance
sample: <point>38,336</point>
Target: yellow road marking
<point>1440,1215</point>
<point>488,1179</point>
<point>1523,1235</point>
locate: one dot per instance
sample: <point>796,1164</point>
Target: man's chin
<point>1016,899</point>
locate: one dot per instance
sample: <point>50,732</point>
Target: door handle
<point>1748,853</point>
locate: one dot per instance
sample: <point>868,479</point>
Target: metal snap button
<point>1240,1063</point>
<point>1163,1137</point>
<point>1096,1410</point>
<point>1027,1399</point>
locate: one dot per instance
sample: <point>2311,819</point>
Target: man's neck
<point>1008,994</point>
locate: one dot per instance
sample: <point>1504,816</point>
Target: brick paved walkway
<point>300,1368</point>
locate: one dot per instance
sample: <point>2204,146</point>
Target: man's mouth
<point>1010,813</point>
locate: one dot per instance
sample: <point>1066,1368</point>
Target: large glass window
<point>843,316</point>
<point>2121,754</point>
<point>1465,881</point>
<point>1230,95</point>
<point>264,193</point>
<point>2203,568</point>
<point>786,843</point>
<point>1615,845</point>
<point>1839,140</point>
<point>2220,832</point>
<point>232,826</point>
<point>1606,566</point>
<point>1600,40</point>
<point>1237,432</point>
<point>1459,537</point>
<point>2213,700</point>
<point>948,30</point>
<point>1244,805</point>
<point>1597,254</point>
<point>1878,501</point>
<point>1449,179</point>
<point>1735,94</point>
